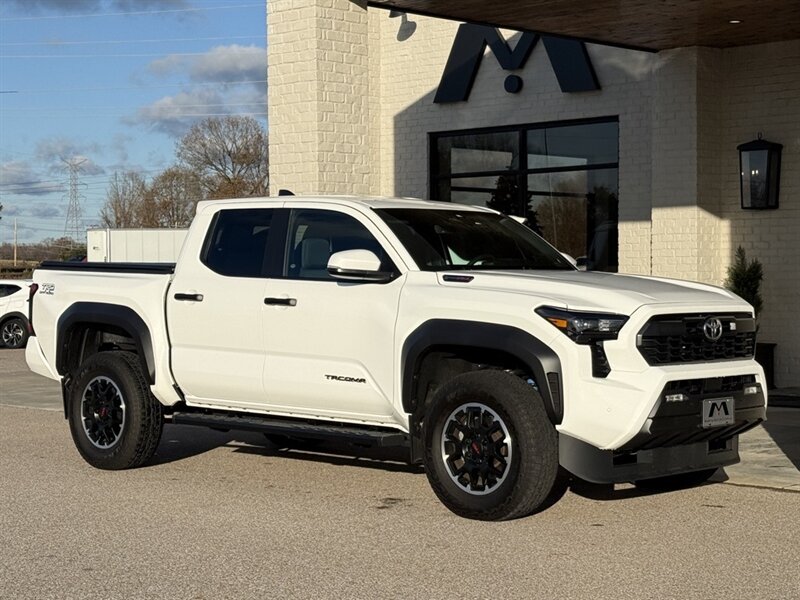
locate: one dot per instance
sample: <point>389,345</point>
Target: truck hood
<point>604,292</point>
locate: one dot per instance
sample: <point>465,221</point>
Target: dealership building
<point>621,130</point>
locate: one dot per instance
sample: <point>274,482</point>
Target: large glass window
<point>562,177</point>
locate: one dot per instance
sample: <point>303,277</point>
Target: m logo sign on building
<point>568,57</point>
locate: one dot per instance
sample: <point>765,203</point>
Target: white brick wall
<point>319,96</point>
<point>351,107</point>
<point>761,93</point>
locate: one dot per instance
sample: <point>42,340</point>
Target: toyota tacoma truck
<point>454,332</point>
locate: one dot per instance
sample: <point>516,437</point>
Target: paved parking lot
<point>228,516</point>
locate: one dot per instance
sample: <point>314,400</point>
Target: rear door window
<point>237,242</point>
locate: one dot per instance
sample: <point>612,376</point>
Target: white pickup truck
<point>453,331</point>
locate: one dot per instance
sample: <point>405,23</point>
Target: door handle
<point>280,301</point>
<point>189,297</point>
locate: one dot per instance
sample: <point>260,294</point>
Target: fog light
<point>750,390</point>
<point>676,397</point>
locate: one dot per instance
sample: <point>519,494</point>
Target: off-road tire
<point>14,333</point>
<point>531,472</point>
<point>676,482</point>
<point>136,438</point>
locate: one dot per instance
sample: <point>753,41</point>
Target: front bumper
<point>673,439</point>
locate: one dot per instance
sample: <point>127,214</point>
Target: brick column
<point>685,233</point>
<point>319,96</point>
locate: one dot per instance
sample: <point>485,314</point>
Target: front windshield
<point>443,240</point>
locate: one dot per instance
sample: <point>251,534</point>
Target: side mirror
<point>571,260</point>
<point>357,265</point>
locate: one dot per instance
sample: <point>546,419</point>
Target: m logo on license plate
<point>718,411</point>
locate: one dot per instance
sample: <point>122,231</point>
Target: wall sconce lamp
<point>759,174</point>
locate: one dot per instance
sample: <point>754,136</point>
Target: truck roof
<point>369,201</point>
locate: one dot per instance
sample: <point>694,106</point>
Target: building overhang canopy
<point>629,23</point>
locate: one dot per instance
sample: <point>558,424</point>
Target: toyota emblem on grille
<point>712,329</point>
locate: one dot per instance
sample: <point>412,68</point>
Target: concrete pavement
<point>770,453</point>
<point>226,515</point>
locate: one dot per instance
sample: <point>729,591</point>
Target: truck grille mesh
<point>675,339</point>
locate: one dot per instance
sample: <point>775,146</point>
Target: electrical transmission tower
<point>73,227</point>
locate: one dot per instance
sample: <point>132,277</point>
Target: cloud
<point>137,5</point>
<point>65,6</point>
<point>173,115</point>
<point>119,145</point>
<point>224,63</point>
<point>11,211</point>
<point>54,151</point>
<point>89,6</point>
<point>220,64</point>
<point>45,211</point>
<point>18,178</point>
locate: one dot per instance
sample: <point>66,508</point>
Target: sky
<point>112,85</point>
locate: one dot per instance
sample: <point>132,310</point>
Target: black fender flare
<point>537,356</point>
<point>98,313</point>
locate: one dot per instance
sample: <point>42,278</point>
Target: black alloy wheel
<point>102,412</point>
<point>477,448</point>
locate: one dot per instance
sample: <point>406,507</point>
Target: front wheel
<point>14,333</point>
<point>491,452</point>
<point>114,419</point>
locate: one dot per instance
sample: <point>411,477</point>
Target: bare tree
<point>229,154</point>
<point>172,199</point>
<point>125,195</point>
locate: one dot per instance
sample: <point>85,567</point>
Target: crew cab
<point>452,331</point>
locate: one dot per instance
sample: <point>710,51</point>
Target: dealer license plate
<point>717,412</point>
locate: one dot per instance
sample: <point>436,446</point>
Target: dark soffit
<point>644,24</point>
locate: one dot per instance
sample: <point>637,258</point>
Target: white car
<point>452,331</point>
<point>14,326</point>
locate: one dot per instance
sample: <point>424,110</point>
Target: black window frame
<point>521,172</point>
<point>273,254</point>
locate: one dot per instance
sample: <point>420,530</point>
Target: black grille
<point>671,339</point>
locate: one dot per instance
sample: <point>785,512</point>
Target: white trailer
<point>134,245</point>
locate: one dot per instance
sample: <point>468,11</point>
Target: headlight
<point>583,327</point>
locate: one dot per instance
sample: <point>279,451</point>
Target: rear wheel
<point>14,333</point>
<point>491,452</point>
<point>114,419</point>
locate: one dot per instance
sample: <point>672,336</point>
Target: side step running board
<point>299,429</point>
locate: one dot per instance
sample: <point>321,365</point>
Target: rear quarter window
<point>7,290</point>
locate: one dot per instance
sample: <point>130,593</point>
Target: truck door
<point>215,308</point>
<point>330,344</point>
